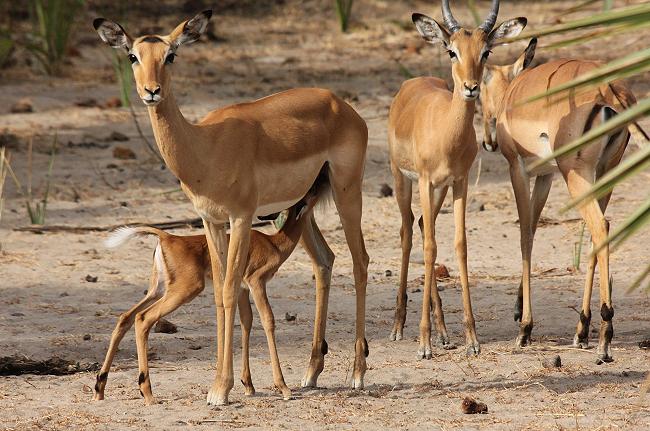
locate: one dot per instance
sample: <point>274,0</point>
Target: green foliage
<point>344,10</point>
<point>36,211</point>
<point>53,22</point>
<point>124,74</point>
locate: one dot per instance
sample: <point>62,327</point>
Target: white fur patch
<point>119,236</point>
<point>413,176</point>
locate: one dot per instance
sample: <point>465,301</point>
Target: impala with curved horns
<point>254,159</point>
<point>432,141</point>
<point>527,132</point>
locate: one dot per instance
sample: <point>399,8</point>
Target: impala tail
<point>123,234</point>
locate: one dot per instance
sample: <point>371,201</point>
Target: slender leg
<point>258,289</point>
<point>538,201</point>
<point>124,323</point>
<point>218,246</point>
<point>246,318</point>
<point>347,197</point>
<point>581,339</point>
<point>521,187</point>
<point>144,320</point>
<point>439,195</point>
<point>237,258</point>
<point>430,287</point>
<point>322,260</point>
<point>460,244</point>
<point>403,195</point>
<point>591,212</point>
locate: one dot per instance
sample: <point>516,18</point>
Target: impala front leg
<point>237,257</point>
<point>460,243</point>
<point>218,246</point>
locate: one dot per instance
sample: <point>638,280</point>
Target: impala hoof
<point>396,335</point>
<point>580,343</point>
<point>424,353</point>
<point>444,343</point>
<point>473,349</point>
<point>308,382</point>
<point>604,356</point>
<point>357,383</point>
<point>522,341</point>
<point>214,399</point>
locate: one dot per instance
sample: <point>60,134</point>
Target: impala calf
<point>527,132</point>
<point>432,141</point>
<point>253,159</point>
<point>181,265</point>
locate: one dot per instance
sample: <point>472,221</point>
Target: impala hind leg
<point>347,197</point>
<point>171,300</point>
<point>246,319</point>
<point>403,195</point>
<point>538,201</point>
<point>521,188</point>
<point>460,244</point>
<point>322,259</point>
<point>578,184</point>
<point>124,323</point>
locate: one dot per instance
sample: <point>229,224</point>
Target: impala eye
<point>452,54</point>
<point>485,55</point>
<point>133,59</point>
<point>170,58</point>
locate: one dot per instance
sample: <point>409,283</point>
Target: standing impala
<point>254,159</point>
<point>432,141</point>
<point>527,132</point>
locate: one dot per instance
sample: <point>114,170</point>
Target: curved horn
<point>450,22</point>
<point>489,22</point>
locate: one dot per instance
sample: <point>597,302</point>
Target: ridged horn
<point>491,19</point>
<point>449,20</point>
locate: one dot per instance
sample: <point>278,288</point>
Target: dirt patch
<point>19,365</point>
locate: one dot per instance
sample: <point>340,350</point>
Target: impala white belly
<point>274,207</point>
<point>541,150</point>
<point>413,176</point>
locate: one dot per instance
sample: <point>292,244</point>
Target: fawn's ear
<point>112,33</point>
<point>191,30</point>
<point>506,29</point>
<point>525,58</point>
<point>430,30</point>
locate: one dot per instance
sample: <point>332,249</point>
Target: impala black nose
<point>153,92</point>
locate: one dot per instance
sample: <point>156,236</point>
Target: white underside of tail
<point>119,236</point>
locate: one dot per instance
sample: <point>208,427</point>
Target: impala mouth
<point>470,95</point>
<point>151,101</point>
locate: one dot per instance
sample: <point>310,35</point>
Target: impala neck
<point>461,110</point>
<point>175,136</point>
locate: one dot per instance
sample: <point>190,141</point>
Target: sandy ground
<point>47,306</point>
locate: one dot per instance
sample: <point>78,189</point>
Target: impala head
<point>152,55</point>
<point>468,49</point>
<point>496,80</point>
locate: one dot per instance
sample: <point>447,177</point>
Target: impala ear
<point>191,30</point>
<point>506,29</point>
<point>525,58</point>
<point>430,30</point>
<point>112,33</point>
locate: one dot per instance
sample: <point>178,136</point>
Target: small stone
<point>388,273</point>
<point>645,344</point>
<point>441,271</point>
<point>87,102</point>
<point>475,206</point>
<point>18,314</point>
<point>87,337</point>
<point>554,362</point>
<point>113,102</point>
<point>385,191</point>
<point>91,279</point>
<point>64,294</point>
<point>123,153</point>
<point>23,106</point>
<point>195,347</point>
<point>164,326</point>
<point>117,136</point>
<point>470,406</point>
<point>111,166</point>
<point>290,317</point>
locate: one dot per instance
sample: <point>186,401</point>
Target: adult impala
<point>253,159</point>
<point>527,132</point>
<point>432,140</point>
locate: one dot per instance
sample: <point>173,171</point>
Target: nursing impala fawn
<point>432,141</point>
<point>527,132</point>
<point>254,159</point>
